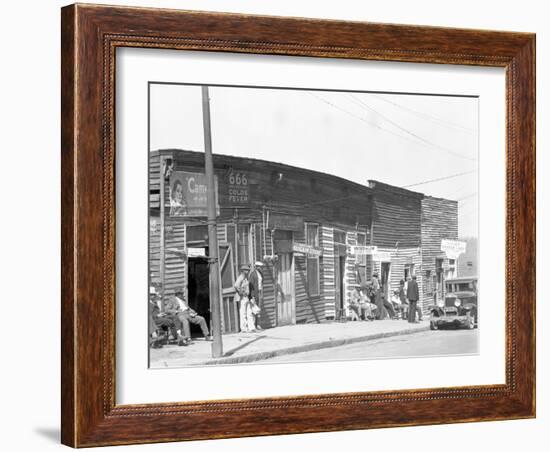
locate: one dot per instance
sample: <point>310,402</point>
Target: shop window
<point>243,244</point>
<point>340,237</point>
<point>312,264</point>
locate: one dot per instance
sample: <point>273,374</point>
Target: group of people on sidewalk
<point>248,292</point>
<point>369,302</point>
<point>175,320</point>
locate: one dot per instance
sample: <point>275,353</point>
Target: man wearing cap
<point>255,281</point>
<point>242,294</point>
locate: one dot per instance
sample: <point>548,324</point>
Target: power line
<point>426,115</point>
<point>379,127</point>
<point>356,116</point>
<point>438,179</point>
<point>418,137</point>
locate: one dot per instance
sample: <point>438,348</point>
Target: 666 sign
<point>237,186</point>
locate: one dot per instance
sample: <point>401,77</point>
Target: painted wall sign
<point>286,222</point>
<point>306,249</point>
<point>362,250</point>
<point>453,248</point>
<point>238,192</point>
<point>188,194</point>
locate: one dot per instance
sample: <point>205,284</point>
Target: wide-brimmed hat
<point>259,264</point>
<point>244,267</point>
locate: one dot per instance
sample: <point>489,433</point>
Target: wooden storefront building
<point>439,222</point>
<point>305,226</point>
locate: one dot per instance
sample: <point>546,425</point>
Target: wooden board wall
<point>439,221</point>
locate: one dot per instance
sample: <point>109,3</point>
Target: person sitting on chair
<point>161,321</point>
<point>354,306</point>
<point>178,306</point>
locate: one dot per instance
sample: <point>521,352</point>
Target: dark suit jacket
<point>412,290</point>
<point>254,284</point>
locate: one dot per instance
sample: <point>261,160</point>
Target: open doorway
<point>198,290</point>
<point>385,278</point>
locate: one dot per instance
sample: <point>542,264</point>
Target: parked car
<point>460,306</point>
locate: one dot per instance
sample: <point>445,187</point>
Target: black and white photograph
<point>308,225</point>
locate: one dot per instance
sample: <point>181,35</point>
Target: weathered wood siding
<point>350,275</point>
<point>175,267</point>
<point>395,217</point>
<point>399,258</point>
<point>268,315</point>
<point>309,308</point>
<point>317,197</point>
<point>439,221</point>
<point>327,270</point>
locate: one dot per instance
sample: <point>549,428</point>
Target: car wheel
<point>433,326</point>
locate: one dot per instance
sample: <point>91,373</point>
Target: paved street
<point>443,342</point>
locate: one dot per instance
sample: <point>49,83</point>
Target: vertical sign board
<point>188,194</point>
<point>238,192</point>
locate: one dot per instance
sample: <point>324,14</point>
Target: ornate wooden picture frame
<point>90,37</point>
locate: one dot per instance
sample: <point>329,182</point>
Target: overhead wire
<point>407,131</point>
<point>438,179</point>
<point>426,115</point>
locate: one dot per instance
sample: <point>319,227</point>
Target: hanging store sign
<point>382,256</point>
<point>286,222</point>
<point>196,252</point>
<point>306,249</point>
<point>238,193</point>
<point>188,194</point>
<point>362,250</point>
<point>453,248</point>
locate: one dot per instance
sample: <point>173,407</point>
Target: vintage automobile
<point>460,306</point>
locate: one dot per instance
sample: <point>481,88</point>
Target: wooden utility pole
<point>162,231</point>
<point>217,346</point>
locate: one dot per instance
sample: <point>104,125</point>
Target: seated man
<point>354,305</point>
<point>397,305</point>
<point>159,320</point>
<point>178,306</point>
<point>367,309</point>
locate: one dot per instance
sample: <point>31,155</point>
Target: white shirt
<point>183,306</point>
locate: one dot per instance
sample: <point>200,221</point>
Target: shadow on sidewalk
<point>240,347</point>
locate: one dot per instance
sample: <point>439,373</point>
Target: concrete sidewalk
<point>284,340</point>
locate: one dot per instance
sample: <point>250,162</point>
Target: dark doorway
<point>385,278</point>
<point>198,290</point>
<point>340,271</point>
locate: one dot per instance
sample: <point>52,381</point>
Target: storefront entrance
<point>385,278</point>
<point>285,287</point>
<point>339,272</point>
<point>198,290</point>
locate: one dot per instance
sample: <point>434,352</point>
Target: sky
<point>424,143</point>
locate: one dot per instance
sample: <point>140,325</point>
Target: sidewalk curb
<point>260,356</point>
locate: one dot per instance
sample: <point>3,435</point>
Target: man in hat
<point>162,320</point>
<point>178,307</point>
<point>255,281</point>
<point>412,296</point>
<point>355,303</point>
<point>242,295</point>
